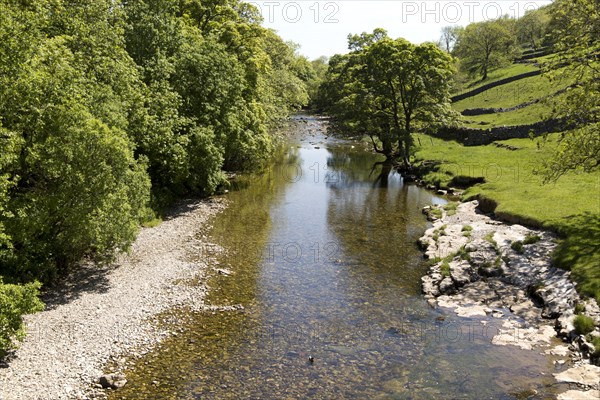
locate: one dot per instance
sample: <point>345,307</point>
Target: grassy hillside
<point>570,206</point>
<point>496,75</point>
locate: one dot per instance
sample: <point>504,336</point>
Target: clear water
<point>322,250</point>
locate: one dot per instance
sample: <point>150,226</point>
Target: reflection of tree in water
<point>382,179</point>
<point>376,218</point>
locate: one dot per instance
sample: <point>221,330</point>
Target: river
<point>321,256</point>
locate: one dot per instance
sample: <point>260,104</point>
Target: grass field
<point>515,93</point>
<point>495,75</point>
<point>570,206</point>
<point>527,115</point>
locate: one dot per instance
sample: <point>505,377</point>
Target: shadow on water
<point>323,259</point>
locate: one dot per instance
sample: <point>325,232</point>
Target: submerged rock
<point>112,381</point>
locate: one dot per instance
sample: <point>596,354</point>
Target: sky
<point>321,28</point>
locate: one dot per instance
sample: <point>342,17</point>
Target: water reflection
<point>322,250</point>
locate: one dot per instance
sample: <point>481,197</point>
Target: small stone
<point>112,381</point>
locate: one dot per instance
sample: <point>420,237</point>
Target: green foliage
<point>109,107</point>
<point>436,212</point>
<point>16,300</point>
<point>576,24</point>
<point>579,309</point>
<point>579,252</point>
<point>451,208</point>
<point>596,342</point>
<point>484,45</point>
<point>490,238</point>
<point>583,324</point>
<point>387,89</point>
<point>517,246</point>
<point>532,28</point>
<point>319,67</point>
<point>531,239</point>
<point>445,268</point>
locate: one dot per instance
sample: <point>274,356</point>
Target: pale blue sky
<point>321,27</point>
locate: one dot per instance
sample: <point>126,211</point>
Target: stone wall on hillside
<point>477,137</point>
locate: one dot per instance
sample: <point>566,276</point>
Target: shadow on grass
<point>579,252</point>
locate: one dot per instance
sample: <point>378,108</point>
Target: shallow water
<point>323,259</point>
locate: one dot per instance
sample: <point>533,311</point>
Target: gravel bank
<point>100,314</point>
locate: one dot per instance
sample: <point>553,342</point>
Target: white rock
<point>579,395</point>
<point>585,374</point>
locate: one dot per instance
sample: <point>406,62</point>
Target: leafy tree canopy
<point>389,88</point>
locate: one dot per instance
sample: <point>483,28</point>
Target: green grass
<point>152,223</point>
<point>528,115</point>
<point>495,75</point>
<point>451,208</point>
<point>583,324</point>
<point>445,268</point>
<point>518,247</point>
<point>515,93</point>
<point>531,239</point>
<point>571,206</point>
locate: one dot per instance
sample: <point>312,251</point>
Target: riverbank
<point>484,267</point>
<point>503,175</point>
<point>102,314</point>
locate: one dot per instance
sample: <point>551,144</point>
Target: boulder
<point>429,286</point>
<point>112,381</point>
<point>462,273</point>
<point>447,286</point>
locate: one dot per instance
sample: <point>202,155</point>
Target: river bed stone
<point>481,266</point>
<point>99,315</point>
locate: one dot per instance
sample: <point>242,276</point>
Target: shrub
<point>596,342</point>
<point>531,239</point>
<point>16,300</point>
<point>579,308</point>
<point>517,247</point>
<point>583,324</point>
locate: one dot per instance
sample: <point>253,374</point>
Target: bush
<point>583,324</point>
<point>517,247</point>
<point>531,239</point>
<point>16,300</point>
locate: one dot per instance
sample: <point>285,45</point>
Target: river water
<point>322,254</point>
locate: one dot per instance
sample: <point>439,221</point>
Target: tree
<point>319,67</point>
<point>484,45</point>
<point>577,45</point>
<point>532,27</point>
<point>16,300</point>
<point>392,88</point>
<point>449,37</point>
